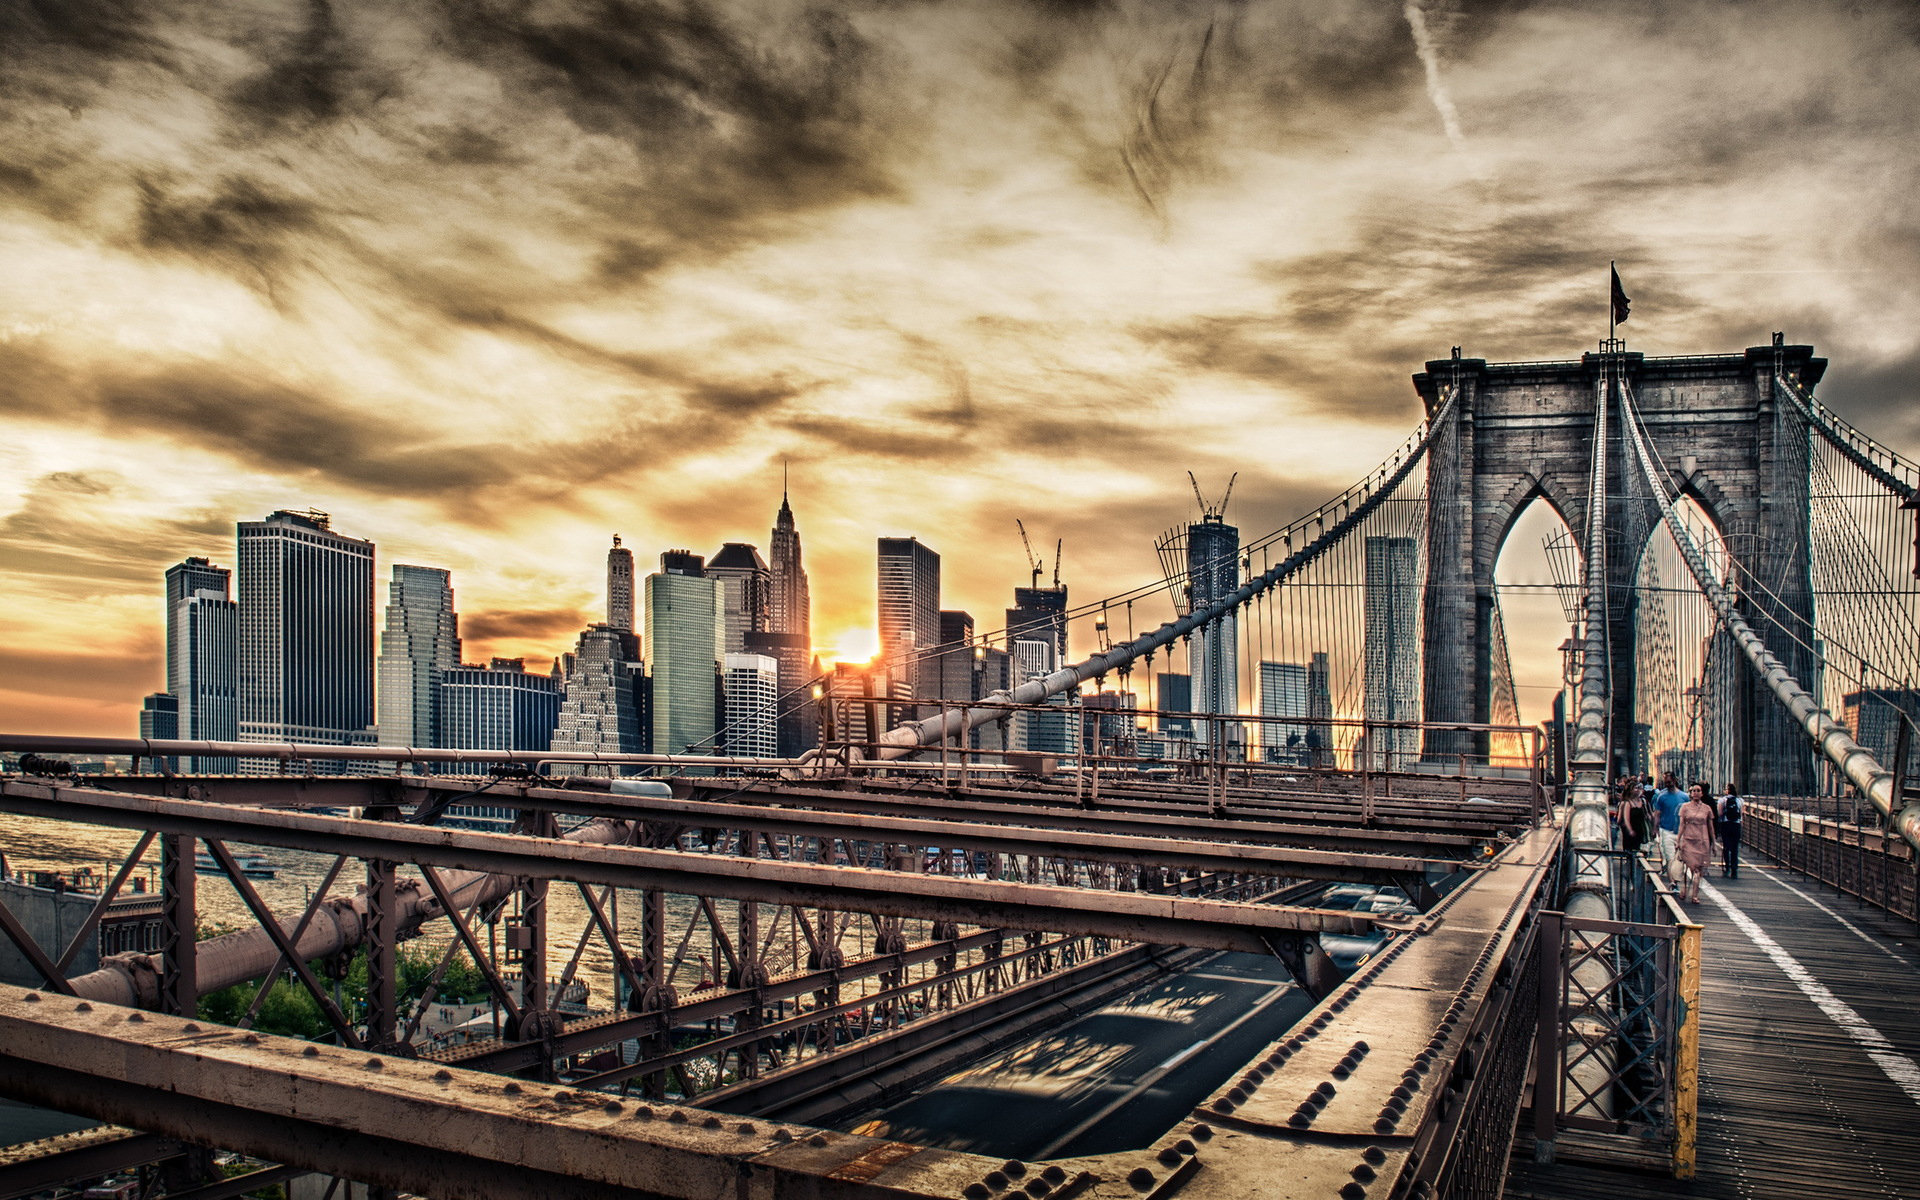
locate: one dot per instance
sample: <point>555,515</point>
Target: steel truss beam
<point>1072,844</point>
<point>42,1165</point>
<point>1135,916</point>
<point>1398,824</point>
<point>1404,1069</point>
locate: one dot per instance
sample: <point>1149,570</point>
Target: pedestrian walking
<point>1695,840</point>
<point>1731,810</point>
<point>1633,816</point>
<point>1666,809</point>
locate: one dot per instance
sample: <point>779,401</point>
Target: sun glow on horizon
<point>853,646</point>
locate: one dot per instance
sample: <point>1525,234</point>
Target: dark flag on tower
<point>1620,301</point>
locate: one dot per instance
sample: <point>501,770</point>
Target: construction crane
<point>1033,561</point>
<point>1213,512</point>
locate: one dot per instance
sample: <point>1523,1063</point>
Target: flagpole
<point>1611,270</point>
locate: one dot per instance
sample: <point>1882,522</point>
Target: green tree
<point>291,1012</point>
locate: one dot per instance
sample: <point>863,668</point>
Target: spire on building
<point>619,586</point>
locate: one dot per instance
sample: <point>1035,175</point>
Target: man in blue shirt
<point>1666,806</point>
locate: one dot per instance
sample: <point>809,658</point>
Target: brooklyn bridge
<point>1400,955</point>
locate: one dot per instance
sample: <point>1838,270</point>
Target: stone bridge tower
<point>1525,430</point>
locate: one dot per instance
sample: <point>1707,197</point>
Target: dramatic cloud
<point>492,281</point>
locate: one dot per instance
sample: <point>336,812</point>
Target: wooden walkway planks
<point>1790,1104</point>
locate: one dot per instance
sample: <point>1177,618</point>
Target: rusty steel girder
<point>1387,1083</point>
<point>1128,916</point>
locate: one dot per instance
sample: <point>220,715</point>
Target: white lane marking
<point>1184,1053</point>
<point>1903,1071</point>
<point>1855,930</point>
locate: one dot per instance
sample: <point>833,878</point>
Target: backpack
<point>1730,811</point>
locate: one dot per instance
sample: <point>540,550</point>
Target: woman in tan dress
<point>1695,842</point>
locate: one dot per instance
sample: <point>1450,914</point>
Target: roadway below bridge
<point>1113,1079</point>
<point>1809,1057</point>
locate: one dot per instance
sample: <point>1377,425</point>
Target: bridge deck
<point>1792,1099</point>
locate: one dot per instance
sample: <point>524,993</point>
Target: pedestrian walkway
<point>1809,1054</point>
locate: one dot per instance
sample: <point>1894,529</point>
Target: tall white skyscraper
<point>1392,649</point>
<point>203,650</point>
<point>752,683</point>
<point>306,633</point>
<point>421,639</point>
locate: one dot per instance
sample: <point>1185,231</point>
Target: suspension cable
<point>1853,760</point>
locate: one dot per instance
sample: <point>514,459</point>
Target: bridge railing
<point>1823,838</point>
<point>1616,1060</point>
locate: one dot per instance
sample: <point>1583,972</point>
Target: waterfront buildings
<point>160,720</point>
<point>1391,650</point>
<point>619,586</point>
<point>421,639</point>
<point>909,613</point>
<point>305,633</point>
<point>604,704</point>
<point>203,657</point>
<point>752,683</point>
<point>685,634</point>
<point>746,586</point>
<point>498,706</point>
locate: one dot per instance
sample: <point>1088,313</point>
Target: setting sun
<point>854,646</point>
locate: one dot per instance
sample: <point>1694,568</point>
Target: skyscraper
<point>909,612</point>
<point>603,709</point>
<point>420,640</point>
<point>747,585</point>
<point>790,604</point>
<point>306,633</point>
<point>752,683</point>
<point>1174,692</point>
<point>1319,711</point>
<point>203,652</point>
<point>789,638</point>
<point>1392,649</point>
<point>1213,572</point>
<point>956,662</point>
<point>619,586</point>
<point>496,707</point>
<point>160,721</point>
<point>160,716</point>
<point>686,635</point>
<point>1040,614</point>
<point>1283,693</point>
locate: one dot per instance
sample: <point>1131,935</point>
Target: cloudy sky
<point>492,281</point>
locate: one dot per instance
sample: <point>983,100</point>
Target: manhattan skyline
<point>492,291</point>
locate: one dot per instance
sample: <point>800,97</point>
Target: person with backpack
<point>1729,830</point>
